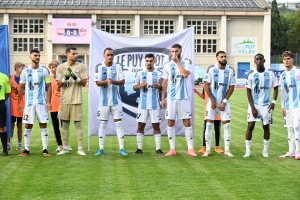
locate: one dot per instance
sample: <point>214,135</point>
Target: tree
<point>277,44</point>
<point>293,32</point>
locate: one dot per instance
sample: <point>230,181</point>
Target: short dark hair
<point>219,52</point>
<point>68,49</point>
<point>107,49</point>
<point>176,46</point>
<point>259,54</point>
<point>34,51</point>
<point>287,54</point>
<point>149,55</point>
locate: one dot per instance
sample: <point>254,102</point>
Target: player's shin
<point>208,133</point>
<point>102,134</point>
<point>189,136</point>
<point>291,139</point>
<point>227,136</point>
<point>171,136</point>
<point>27,138</point>
<point>44,136</point>
<point>297,138</point>
<point>79,134</point>
<point>139,140</point>
<point>65,134</point>
<point>120,133</point>
<point>157,138</point>
<point>3,136</point>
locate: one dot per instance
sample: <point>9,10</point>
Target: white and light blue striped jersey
<point>220,80</point>
<point>109,94</point>
<point>290,88</point>
<point>35,84</point>
<point>149,95</point>
<point>177,87</point>
<point>260,85</point>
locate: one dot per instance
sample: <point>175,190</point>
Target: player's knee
<point>65,124</point>
<point>290,130</point>
<point>77,124</point>
<point>297,129</point>
<point>142,126</point>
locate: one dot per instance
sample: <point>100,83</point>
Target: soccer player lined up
<point>259,84</point>
<point>56,91</point>
<point>108,77</point>
<point>148,82</point>
<point>4,94</point>
<point>217,125</point>
<point>174,83</point>
<point>34,79</point>
<point>16,116</point>
<point>71,77</point>
<point>219,86</point>
<point>290,104</point>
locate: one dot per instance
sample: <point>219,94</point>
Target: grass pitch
<point>151,176</point>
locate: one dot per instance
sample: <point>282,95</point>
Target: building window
<point>158,27</point>
<point>28,26</point>
<point>28,44</point>
<point>205,46</point>
<point>122,27</point>
<point>203,27</point>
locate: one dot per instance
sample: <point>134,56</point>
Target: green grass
<point>151,176</point>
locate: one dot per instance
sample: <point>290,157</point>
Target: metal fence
<point>277,59</point>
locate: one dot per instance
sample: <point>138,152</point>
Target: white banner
<point>244,45</point>
<point>130,52</point>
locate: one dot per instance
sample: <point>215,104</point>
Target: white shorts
<point>38,110</point>
<point>212,113</point>
<point>292,118</point>
<point>263,115</point>
<point>142,115</point>
<point>115,111</point>
<point>181,108</point>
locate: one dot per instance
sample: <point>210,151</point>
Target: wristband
<point>225,100</point>
<point>273,101</point>
<point>63,80</point>
<point>77,80</point>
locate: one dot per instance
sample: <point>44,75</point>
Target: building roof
<point>137,4</point>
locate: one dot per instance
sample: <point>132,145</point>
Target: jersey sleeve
<point>23,77</point>
<point>208,77</point>
<point>59,72</point>
<point>165,74</point>
<point>137,78</point>
<point>249,81</point>
<point>121,73</point>
<point>275,80</point>
<point>188,65</point>
<point>232,80</point>
<point>47,75</point>
<point>7,85</point>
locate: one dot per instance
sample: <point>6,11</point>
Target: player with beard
<point>34,79</point>
<point>290,104</point>
<point>219,86</point>
<point>175,74</point>
<point>259,84</point>
<point>148,82</point>
<point>108,77</point>
<point>71,77</point>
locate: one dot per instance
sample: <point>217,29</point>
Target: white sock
<point>291,139</point>
<point>44,135</point>
<point>171,136</point>
<point>139,139</point>
<point>297,138</point>
<point>157,138</point>
<point>189,136</point>
<point>227,136</point>
<point>248,145</point>
<point>120,133</point>
<point>80,148</point>
<point>208,133</point>
<point>102,134</point>
<point>27,138</point>
<point>266,144</point>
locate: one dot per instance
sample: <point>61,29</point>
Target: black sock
<point>3,136</point>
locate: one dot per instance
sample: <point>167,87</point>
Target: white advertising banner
<point>130,52</point>
<point>244,45</point>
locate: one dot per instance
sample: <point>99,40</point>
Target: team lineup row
<point>63,98</point>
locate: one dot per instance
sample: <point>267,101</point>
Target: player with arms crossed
<point>71,77</point>
<point>34,79</point>
<point>108,77</point>
<point>174,83</point>
<point>290,104</point>
<point>148,82</point>
<point>259,84</point>
<point>219,86</point>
